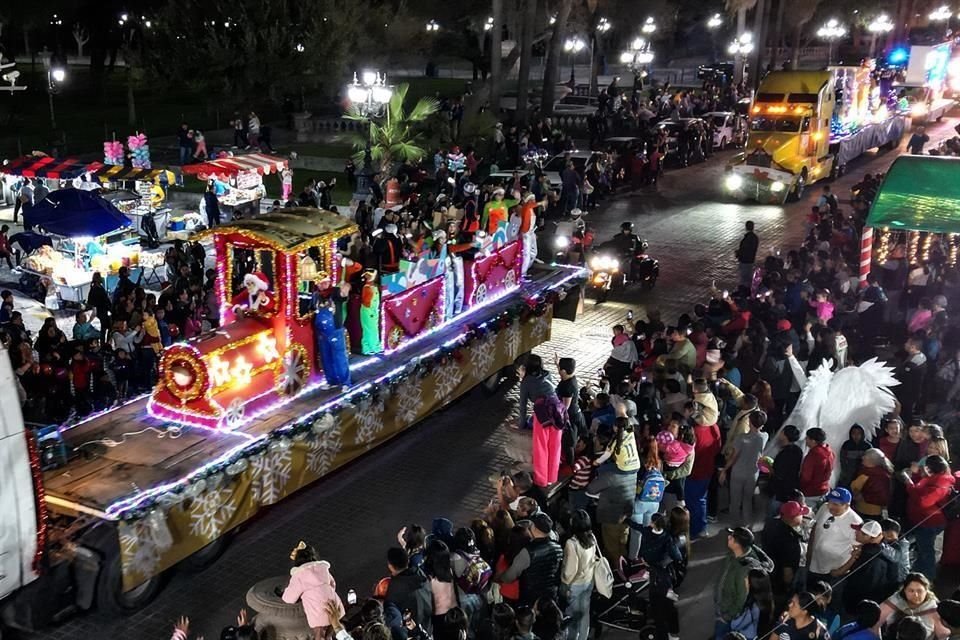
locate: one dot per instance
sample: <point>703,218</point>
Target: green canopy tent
<point>919,193</point>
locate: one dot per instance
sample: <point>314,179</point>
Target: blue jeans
<point>926,538</point>
<point>642,515</point>
<point>696,494</point>
<point>720,627</point>
<point>578,609</point>
<point>184,155</point>
<point>571,199</point>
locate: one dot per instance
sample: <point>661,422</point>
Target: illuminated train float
<point>258,359</point>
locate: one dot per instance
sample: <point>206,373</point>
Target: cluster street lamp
<point>369,94</point>
<point>433,26</point>
<point>488,24</point>
<point>637,57</point>
<point>740,48</point>
<point>831,31</point>
<point>879,25</point>
<point>603,25</point>
<point>714,23</point>
<point>56,76</point>
<point>941,14</point>
<point>573,46</point>
<point>649,26</point>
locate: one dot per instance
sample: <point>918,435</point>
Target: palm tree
<point>398,138</point>
<point>740,8</point>
<point>798,14</point>
<point>551,70</point>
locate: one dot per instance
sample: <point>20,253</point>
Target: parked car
<point>554,166</point>
<point>728,128</point>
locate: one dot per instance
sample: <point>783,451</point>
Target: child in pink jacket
<point>313,585</point>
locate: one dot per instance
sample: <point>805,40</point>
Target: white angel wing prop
<point>858,395</point>
<point>807,412</point>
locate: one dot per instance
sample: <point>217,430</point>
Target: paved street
<point>442,467</point>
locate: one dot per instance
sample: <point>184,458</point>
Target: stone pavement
<point>443,467</point>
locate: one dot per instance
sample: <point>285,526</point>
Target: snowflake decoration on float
<point>294,372</point>
<point>369,421</point>
<point>541,325</point>
<point>235,413</point>
<point>143,543</point>
<point>513,339</point>
<point>409,397</point>
<point>270,472</point>
<point>323,448</point>
<point>446,379</point>
<point>210,513</point>
<point>483,353</point>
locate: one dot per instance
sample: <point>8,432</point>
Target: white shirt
<point>833,541</point>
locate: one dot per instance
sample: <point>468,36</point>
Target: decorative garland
<point>311,425</point>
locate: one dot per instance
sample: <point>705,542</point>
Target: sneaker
<point>672,595</point>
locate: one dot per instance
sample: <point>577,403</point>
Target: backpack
<point>476,577</point>
<point>551,412</point>
<point>747,620</point>
<point>951,506</point>
<point>652,487</point>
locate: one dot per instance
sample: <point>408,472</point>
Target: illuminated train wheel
<point>234,414</point>
<point>510,279</point>
<point>294,371</point>
<point>480,293</point>
<point>184,374</point>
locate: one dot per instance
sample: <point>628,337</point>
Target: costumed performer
<point>370,313</point>
<point>471,219</point>
<point>332,340</point>
<point>256,298</point>
<point>496,211</point>
<point>528,230</point>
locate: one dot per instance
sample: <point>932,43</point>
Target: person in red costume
<point>256,299</point>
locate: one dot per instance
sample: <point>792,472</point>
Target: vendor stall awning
<point>109,173</point>
<point>919,193</point>
<point>259,162</point>
<point>49,167</point>
<point>74,213</point>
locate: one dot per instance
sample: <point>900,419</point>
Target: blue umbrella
<point>73,213</point>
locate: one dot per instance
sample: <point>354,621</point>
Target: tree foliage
<point>254,49</point>
<point>399,136</point>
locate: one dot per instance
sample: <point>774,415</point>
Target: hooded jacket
<point>531,388</point>
<point>815,470</point>
<point>926,498</point>
<point>730,591</point>
<point>314,586</point>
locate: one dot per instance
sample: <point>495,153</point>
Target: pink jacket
<point>312,584</point>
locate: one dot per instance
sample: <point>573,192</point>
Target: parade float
<point>271,401</point>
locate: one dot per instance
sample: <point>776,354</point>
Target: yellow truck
<point>805,126</point>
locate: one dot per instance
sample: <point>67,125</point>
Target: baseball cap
<point>742,535</point>
<point>840,496</point>
<point>870,528</point>
<point>784,325</point>
<point>542,522</point>
<point>792,509</point>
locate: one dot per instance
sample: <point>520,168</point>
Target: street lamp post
<point>940,14</point>
<point>370,95</point>
<point>879,25</point>
<point>740,48</point>
<point>637,57</point>
<point>649,26</point>
<point>831,31</point>
<point>56,76</point>
<point>573,46</point>
<point>713,24</point>
<point>432,26</point>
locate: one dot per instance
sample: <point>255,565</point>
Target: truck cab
<point>788,143</point>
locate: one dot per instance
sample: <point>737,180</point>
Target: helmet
<point>627,226</point>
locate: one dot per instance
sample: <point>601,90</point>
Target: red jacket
<point>705,451</point>
<point>926,498</point>
<point>815,471</point>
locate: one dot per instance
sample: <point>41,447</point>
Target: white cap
<point>469,188</point>
<point>529,197</point>
<point>440,235</point>
<point>391,228</point>
<point>499,190</point>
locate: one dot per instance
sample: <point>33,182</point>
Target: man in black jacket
<point>747,254</point>
<point>785,479</point>
<point>872,569</point>
<point>783,542</point>
<point>538,565</point>
<point>409,589</point>
<point>911,374</point>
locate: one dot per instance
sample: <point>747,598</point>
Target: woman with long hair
<point>442,586</point>
<point>650,483</point>
<point>759,614</point>
<point>914,598</point>
<point>580,554</point>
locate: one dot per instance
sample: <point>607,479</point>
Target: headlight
<point>615,264</point>
<point>733,182</point>
<point>777,186</point>
<point>562,242</point>
<point>595,263</point>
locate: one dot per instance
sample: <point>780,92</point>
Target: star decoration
<point>267,347</point>
<point>242,371</point>
<point>219,371</point>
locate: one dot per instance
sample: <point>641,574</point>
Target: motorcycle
<point>607,271</point>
